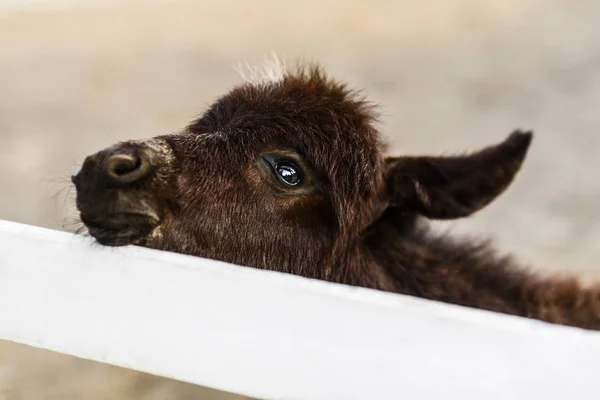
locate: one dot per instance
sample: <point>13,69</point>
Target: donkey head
<point>285,174</point>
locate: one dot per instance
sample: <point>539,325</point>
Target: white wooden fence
<point>272,335</point>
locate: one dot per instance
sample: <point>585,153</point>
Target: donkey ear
<point>455,187</point>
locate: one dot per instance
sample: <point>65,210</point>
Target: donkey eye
<point>288,172</point>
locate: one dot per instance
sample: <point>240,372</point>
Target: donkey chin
<point>118,191</point>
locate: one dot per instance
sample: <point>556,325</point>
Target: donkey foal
<point>288,173</point>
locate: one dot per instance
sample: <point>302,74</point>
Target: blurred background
<point>450,75</point>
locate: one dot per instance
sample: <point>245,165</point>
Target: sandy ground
<point>450,75</point>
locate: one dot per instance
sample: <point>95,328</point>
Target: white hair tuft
<point>271,70</point>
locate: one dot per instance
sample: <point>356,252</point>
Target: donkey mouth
<point>120,229</point>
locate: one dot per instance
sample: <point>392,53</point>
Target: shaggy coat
<point>290,174</point>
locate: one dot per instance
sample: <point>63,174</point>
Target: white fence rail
<point>272,335</point>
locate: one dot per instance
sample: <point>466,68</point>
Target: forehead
<point>303,106</point>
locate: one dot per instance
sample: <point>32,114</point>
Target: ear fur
<point>455,187</point>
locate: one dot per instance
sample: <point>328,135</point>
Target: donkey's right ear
<point>455,187</point>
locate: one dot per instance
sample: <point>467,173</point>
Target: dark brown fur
<point>361,220</point>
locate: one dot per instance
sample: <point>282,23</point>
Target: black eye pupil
<point>288,173</point>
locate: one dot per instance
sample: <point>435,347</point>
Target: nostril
<point>126,168</point>
<point>122,164</point>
